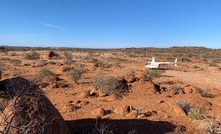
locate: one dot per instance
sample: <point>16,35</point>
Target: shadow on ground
<point>126,126</point>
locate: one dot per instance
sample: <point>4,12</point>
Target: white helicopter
<point>154,64</point>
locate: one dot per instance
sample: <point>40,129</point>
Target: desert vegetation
<point>110,90</point>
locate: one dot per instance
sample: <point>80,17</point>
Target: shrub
<point>69,58</point>
<point>75,74</point>
<point>195,113</point>
<point>15,62</point>
<point>204,93</point>
<point>152,73</point>
<point>176,88</point>
<point>185,59</point>
<point>32,55</point>
<point>109,84</point>
<point>185,105</point>
<point>130,73</point>
<point>98,63</point>
<point>213,64</point>
<point>106,83</point>
<point>210,125</point>
<point>44,72</point>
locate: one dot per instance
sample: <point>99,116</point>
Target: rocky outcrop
<point>25,109</point>
<point>48,55</point>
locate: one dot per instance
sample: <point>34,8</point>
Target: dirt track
<point>204,79</point>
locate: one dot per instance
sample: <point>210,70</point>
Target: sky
<point>110,23</point>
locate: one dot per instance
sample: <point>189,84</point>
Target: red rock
<point>48,55</point>
<point>132,114</point>
<point>179,111</point>
<point>130,78</point>
<point>122,110</point>
<point>32,111</point>
<point>98,112</point>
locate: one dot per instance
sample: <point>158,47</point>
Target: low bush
<point>195,113</point>
<point>213,64</point>
<point>110,85</point>
<point>32,55</point>
<point>44,72</point>
<point>185,105</point>
<point>75,73</point>
<point>68,58</point>
<point>150,74</point>
<point>97,63</point>
<point>204,93</point>
<point>176,88</point>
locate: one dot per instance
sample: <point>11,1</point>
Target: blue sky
<point>110,23</point>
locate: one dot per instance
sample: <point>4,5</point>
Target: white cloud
<point>51,25</point>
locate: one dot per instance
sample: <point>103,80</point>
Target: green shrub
<point>75,74</point>
<point>107,84</point>
<point>32,55</point>
<point>44,72</point>
<point>149,74</point>
<point>110,85</point>
<point>195,113</point>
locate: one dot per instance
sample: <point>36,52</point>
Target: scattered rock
<point>157,88</point>
<point>69,108</point>
<point>162,101</point>
<point>81,103</point>
<point>94,92</point>
<point>190,89</point>
<point>59,64</point>
<point>179,111</point>
<point>214,91</point>
<point>48,55</point>
<point>130,78</point>
<point>140,77</point>
<point>122,110</point>
<point>132,114</point>
<point>181,91</point>
<point>112,97</point>
<point>50,79</point>
<point>101,93</point>
<point>202,103</point>
<point>84,94</point>
<point>149,87</point>
<point>150,113</point>
<point>171,92</point>
<point>98,111</point>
